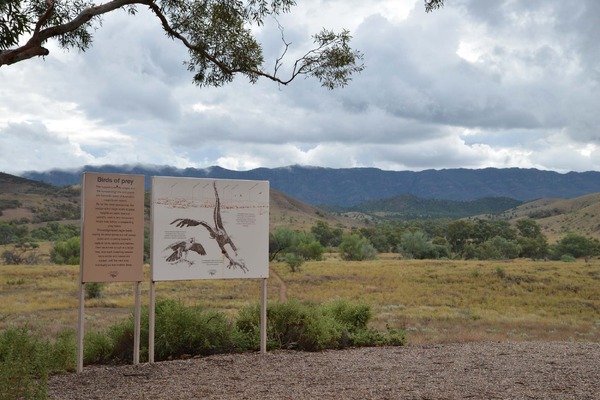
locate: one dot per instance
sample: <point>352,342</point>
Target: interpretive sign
<point>209,229</point>
<point>112,228</point>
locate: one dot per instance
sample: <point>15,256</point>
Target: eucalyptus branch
<point>214,32</point>
<point>278,62</point>
<point>34,47</point>
<point>45,17</point>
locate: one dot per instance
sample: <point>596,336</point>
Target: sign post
<point>208,229</point>
<point>112,239</point>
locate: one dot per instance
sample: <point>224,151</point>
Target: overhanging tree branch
<point>34,46</point>
<point>215,32</point>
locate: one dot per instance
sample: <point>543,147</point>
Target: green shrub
<point>500,272</point>
<point>313,327</point>
<point>567,258</point>
<point>190,330</point>
<point>97,348</point>
<point>179,330</point>
<point>576,246</point>
<point>291,325</point>
<point>294,261</point>
<point>23,368</point>
<point>93,290</point>
<point>63,352</point>
<point>356,248</point>
<point>66,252</point>
<point>354,318</point>
<point>182,330</point>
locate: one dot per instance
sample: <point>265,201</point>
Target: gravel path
<point>521,370</point>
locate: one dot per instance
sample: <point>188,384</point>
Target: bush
<point>291,325</point>
<point>97,348</point>
<point>93,290</point>
<point>189,331</point>
<point>26,360</point>
<point>356,248</point>
<point>576,246</point>
<point>66,252</point>
<point>354,319</point>
<point>312,327</point>
<point>21,253</point>
<point>63,353</point>
<point>179,330</point>
<point>294,261</point>
<point>567,258</point>
<point>23,370</point>
<point>294,247</point>
<point>54,231</point>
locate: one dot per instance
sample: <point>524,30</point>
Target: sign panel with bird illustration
<point>209,229</point>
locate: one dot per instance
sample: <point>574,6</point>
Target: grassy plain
<point>434,301</point>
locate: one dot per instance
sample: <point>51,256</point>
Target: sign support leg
<point>80,327</point>
<point>136,328</point>
<point>151,316</point>
<point>263,317</point>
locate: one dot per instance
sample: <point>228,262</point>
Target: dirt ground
<point>488,370</point>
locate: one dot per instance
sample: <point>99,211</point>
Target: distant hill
<point>408,206</point>
<point>286,211</point>
<point>37,202</point>
<point>352,186</point>
<point>557,217</point>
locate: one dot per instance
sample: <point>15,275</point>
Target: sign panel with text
<point>112,228</point>
<point>209,229</point>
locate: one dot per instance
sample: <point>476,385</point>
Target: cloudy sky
<point>503,83</point>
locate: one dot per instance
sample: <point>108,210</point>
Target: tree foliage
<point>294,247</point>
<point>217,34</point>
<point>431,5</point>
<point>417,245</point>
<point>326,235</point>
<point>355,247</point>
<point>576,246</point>
<point>66,252</point>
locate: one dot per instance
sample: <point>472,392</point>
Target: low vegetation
<point>421,281</point>
<point>27,359</point>
<point>333,304</point>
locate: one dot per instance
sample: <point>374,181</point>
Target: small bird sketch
<point>216,232</point>
<point>180,251</point>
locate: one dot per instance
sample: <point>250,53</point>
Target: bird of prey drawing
<point>216,232</point>
<point>180,251</point>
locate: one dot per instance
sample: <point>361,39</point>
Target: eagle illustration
<point>216,232</point>
<point>180,250</point>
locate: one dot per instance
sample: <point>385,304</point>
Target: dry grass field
<point>434,301</point>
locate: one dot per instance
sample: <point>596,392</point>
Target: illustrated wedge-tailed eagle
<point>216,232</point>
<point>180,250</point>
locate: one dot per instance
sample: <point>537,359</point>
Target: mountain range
<point>347,187</point>
<point>26,200</point>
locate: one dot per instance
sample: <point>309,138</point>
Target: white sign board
<point>209,229</point>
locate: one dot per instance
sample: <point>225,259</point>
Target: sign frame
<point>112,241</point>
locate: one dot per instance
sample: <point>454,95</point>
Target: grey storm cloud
<point>476,84</point>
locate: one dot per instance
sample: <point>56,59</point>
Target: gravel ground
<point>495,370</point>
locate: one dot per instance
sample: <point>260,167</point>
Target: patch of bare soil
<point>490,370</point>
